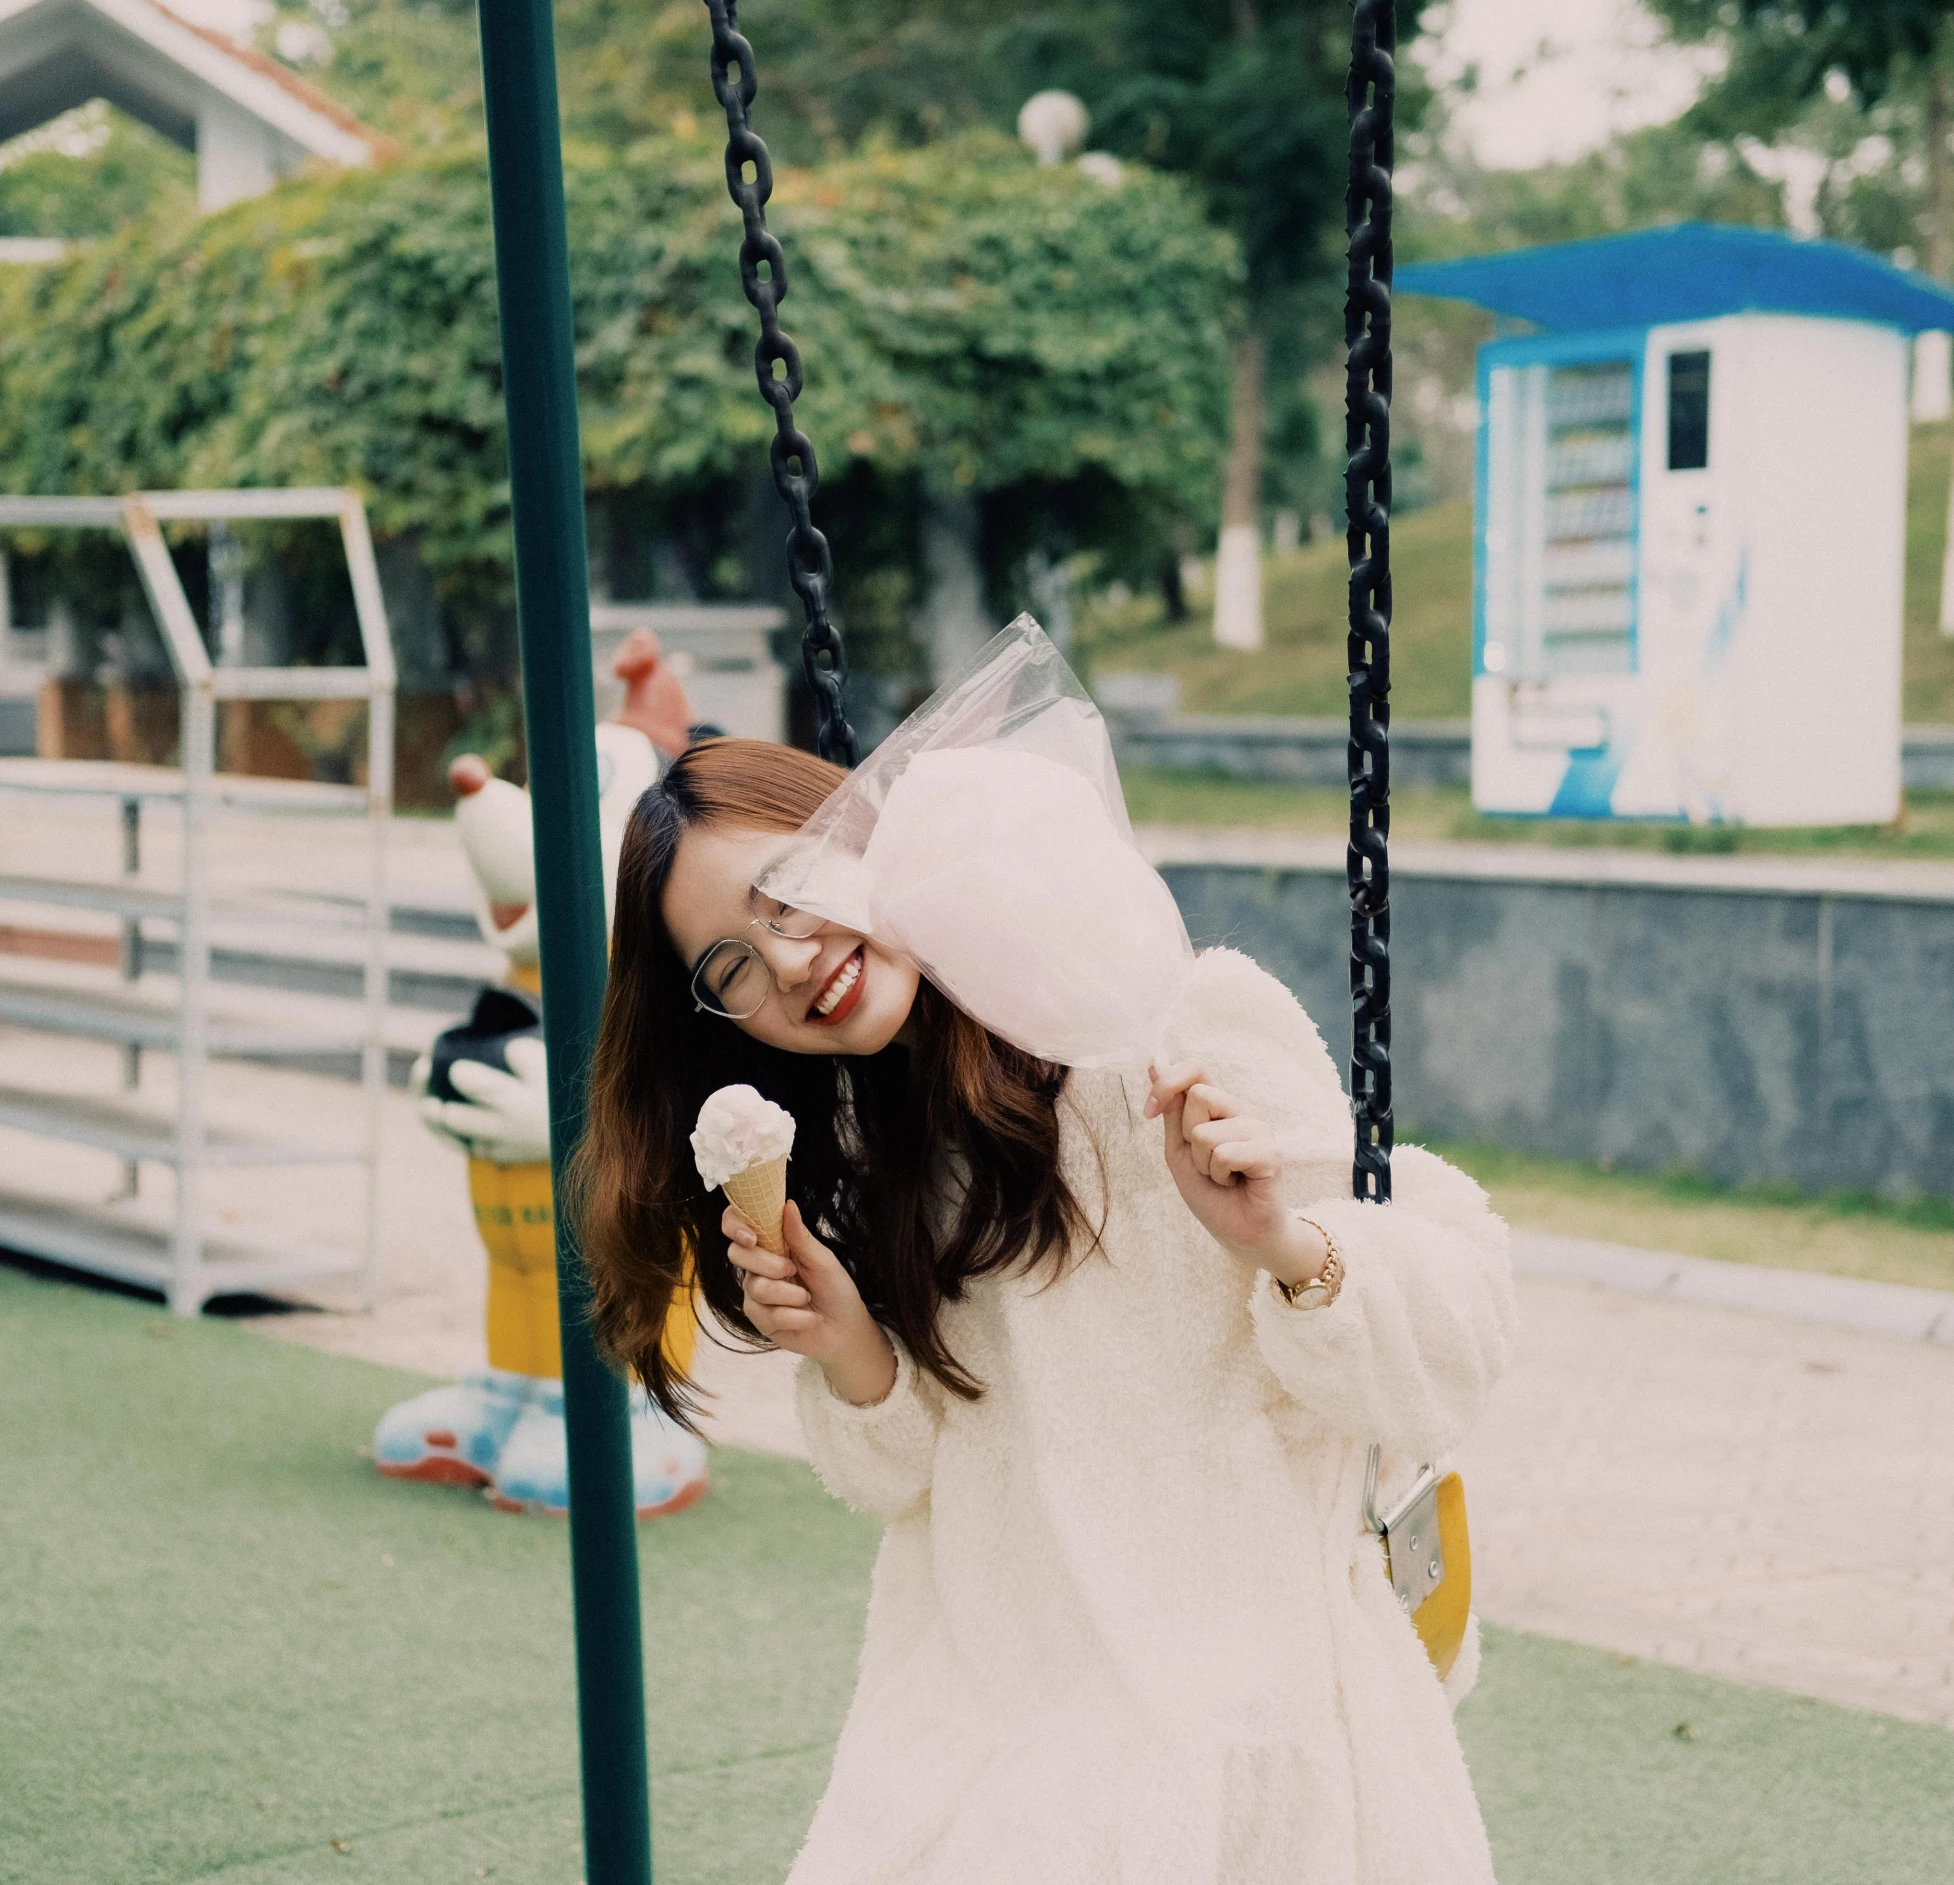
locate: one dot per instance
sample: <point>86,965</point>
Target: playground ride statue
<point>483,1088</point>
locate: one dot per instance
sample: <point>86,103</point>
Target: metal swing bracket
<point>1414,1553</point>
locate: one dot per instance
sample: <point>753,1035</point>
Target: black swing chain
<point>1367,495</point>
<point>777,363</point>
<point>1367,499</point>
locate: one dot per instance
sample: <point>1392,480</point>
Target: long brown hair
<point>871,1133</point>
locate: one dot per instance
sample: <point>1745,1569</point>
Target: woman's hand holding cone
<point>807,1303</point>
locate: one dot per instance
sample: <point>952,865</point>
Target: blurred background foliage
<point>90,172</point>
<point>1054,347</point>
<point>1057,349</point>
<point>969,316</point>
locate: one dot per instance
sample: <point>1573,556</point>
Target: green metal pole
<point>553,611</point>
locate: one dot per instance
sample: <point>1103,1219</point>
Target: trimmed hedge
<point>967,318</point>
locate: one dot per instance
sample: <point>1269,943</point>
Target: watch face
<point>1313,1295</point>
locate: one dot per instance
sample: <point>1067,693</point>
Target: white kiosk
<point>1691,526</point>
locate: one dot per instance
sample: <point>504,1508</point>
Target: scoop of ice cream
<point>739,1127</point>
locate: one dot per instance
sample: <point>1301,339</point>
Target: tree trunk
<point>1940,239</point>
<point>955,622</point>
<point>1050,581</point>
<point>1173,592</point>
<point>1931,396</point>
<point>1238,558</point>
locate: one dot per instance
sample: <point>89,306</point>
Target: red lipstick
<point>847,1004</point>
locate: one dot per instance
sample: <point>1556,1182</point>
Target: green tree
<point>88,173</point>
<point>1784,54</point>
<point>1245,98</point>
<point>1242,97</point>
<point>1040,336</point>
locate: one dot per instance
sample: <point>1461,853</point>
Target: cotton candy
<point>986,838</point>
<point>1000,872</point>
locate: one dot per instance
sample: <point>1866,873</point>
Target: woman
<point>1060,1333</point>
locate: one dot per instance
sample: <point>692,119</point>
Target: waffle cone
<point>759,1194</point>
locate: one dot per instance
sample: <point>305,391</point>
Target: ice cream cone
<point>741,1145</point>
<point>759,1194</point>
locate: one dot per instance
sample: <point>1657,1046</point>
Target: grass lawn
<point>236,1655</point>
<point>1302,669</point>
<point>1846,1234</point>
<point>1929,656</point>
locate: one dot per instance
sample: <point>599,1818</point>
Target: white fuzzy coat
<point>1126,1626</point>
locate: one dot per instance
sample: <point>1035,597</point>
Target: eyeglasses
<point>733,978</point>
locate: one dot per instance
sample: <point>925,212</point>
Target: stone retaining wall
<point>1423,752</point>
<point>1755,1024</point>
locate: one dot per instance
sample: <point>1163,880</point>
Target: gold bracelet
<point>1321,1290</point>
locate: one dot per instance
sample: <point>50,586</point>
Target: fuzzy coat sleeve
<point>1419,1332</point>
<point>878,1458</point>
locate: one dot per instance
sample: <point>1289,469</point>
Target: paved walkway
<point>1729,1490</point>
<point>1733,1492</point>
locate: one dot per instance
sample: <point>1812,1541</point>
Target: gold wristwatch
<point>1321,1291</point>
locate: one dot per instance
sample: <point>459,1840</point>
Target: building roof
<point>162,70</point>
<point>1686,272</point>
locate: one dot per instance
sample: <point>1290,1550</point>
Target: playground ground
<point>240,1656</point>
<point>237,1655</point>
<point>1715,1549</point>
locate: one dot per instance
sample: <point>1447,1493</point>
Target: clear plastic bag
<point>987,839</point>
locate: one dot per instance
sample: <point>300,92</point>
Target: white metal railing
<point>96,1241</point>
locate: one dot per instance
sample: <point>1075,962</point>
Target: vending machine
<point>1688,582</point>
<point>1691,531</point>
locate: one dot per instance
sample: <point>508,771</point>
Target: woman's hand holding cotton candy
<point>807,1303</point>
<point>1227,1166</point>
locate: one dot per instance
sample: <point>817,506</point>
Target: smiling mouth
<point>841,991</point>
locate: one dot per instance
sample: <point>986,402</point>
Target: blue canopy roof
<point>1686,272</point>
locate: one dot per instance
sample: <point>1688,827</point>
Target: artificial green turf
<point>1596,1769</point>
<point>228,1644</point>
